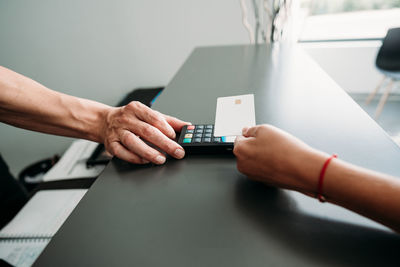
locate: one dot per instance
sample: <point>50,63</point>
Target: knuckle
<point>237,149</point>
<point>134,105</point>
<point>124,112</point>
<point>128,107</point>
<point>112,149</point>
<point>154,117</point>
<point>123,120</point>
<point>149,154</point>
<point>170,147</point>
<point>134,159</point>
<point>127,139</point>
<point>148,131</point>
<point>124,138</point>
<point>157,120</point>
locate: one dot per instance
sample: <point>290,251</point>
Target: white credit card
<point>233,113</point>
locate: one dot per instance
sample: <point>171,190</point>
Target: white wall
<point>101,49</point>
<point>350,64</point>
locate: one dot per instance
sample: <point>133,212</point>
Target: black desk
<point>201,212</point>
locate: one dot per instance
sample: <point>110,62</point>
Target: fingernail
<point>179,153</point>
<point>160,160</point>
<point>244,130</point>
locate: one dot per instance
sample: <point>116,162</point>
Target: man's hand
<point>268,154</point>
<point>126,128</point>
<point>27,104</point>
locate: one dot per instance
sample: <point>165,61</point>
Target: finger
<point>242,147</point>
<point>121,152</point>
<point>250,132</point>
<point>154,118</point>
<point>238,139</point>
<point>156,137</point>
<point>238,146</point>
<point>176,124</point>
<point>244,130</point>
<point>137,146</point>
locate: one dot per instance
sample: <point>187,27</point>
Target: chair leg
<point>373,93</point>
<point>383,100</point>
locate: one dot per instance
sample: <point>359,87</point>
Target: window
<point>348,19</point>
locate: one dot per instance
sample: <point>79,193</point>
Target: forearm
<point>268,154</point>
<point>27,104</point>
<point>371,194</point>
<point>374,195</point>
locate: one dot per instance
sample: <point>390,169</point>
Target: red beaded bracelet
<point>321,178</point>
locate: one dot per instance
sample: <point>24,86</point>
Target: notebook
<point>72,164</point>
<point>23,252</point>
<point>24,238</point>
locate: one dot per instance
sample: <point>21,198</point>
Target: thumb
<point>250,132</point>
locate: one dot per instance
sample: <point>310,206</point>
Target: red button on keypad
<point>190,127</point>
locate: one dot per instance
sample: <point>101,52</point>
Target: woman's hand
<point>127,128</point>
<point>268,154</point>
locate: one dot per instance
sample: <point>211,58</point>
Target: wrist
<point>93,120</point>
<point>307,169</point>
<point>101,123</point>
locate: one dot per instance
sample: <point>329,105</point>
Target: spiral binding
<point>24,238</point>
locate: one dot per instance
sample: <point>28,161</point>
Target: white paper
<point>72,164</point>
<point>22,253</point>
<point>44,214</point>
<point>233,114</point>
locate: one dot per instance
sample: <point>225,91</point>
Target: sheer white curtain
<point>271,19</point>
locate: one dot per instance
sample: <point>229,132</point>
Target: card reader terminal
<point>199,139</point>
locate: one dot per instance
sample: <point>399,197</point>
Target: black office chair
<point>387,62</point>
